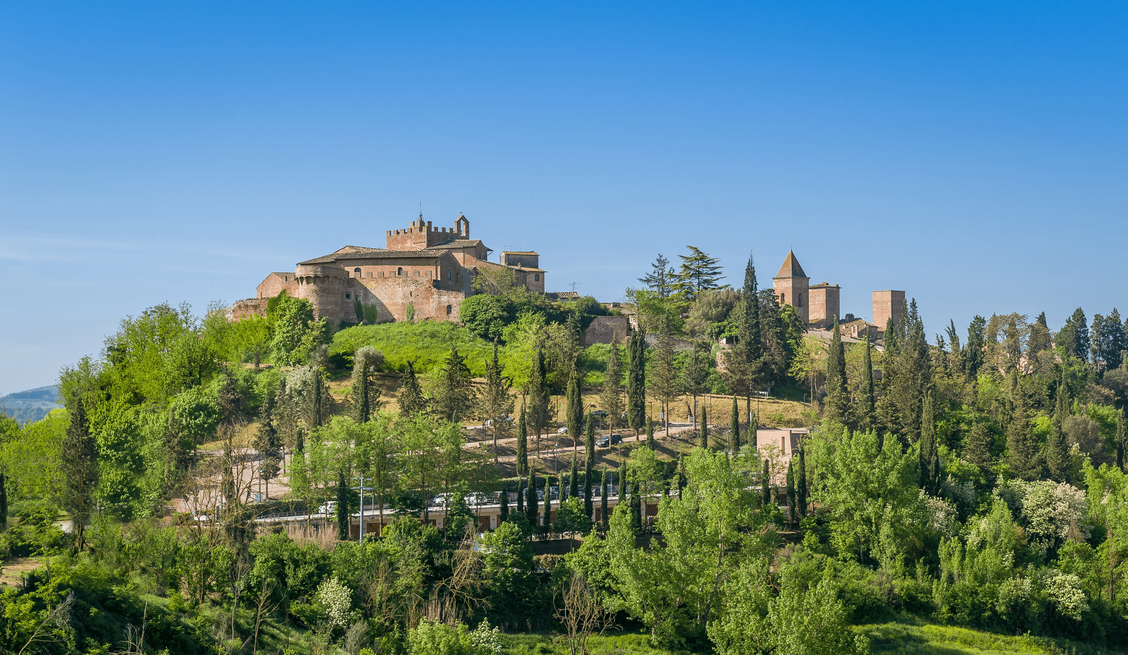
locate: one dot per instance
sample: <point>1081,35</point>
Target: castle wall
<point>274,285</point>
<point>247,308</point>
<point>887,304</point>
<point>606,329</point>
<point>824,304</point>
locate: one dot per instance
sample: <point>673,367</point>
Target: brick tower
<point>886,305</point>
<point>791,286</point>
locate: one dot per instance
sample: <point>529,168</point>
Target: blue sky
<point>974,154</point>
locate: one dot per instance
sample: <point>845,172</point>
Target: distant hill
<point>31,405</point>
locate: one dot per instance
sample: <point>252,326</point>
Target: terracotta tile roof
<point>354,252</point>
<point>791,267</point>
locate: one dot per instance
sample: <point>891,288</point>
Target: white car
<point>563,430</point>
<point>477,499</point>
<point>328,508</point>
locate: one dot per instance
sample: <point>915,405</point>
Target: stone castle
<point>818,305</point>
<point>423,273</point>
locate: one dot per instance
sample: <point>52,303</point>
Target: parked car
<point>609,440</point>
<point>328,508</point>
<point>477,499</point>
<point>563,430</point>
<point>598,413</point>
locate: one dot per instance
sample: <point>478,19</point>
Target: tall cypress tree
<point>520,496</point>
<point>603,493</point>
<point>636,382</point>
<point>531,498</point>
<point>744,362</point>
<point>411,401</point>
<point>522,444</point>
<point>867,416</point>
<point>503,510</point>
<point>754,430</point>
<point>735,427</point>
<point>1057,448</point>
<point>589,466</point>
<point>574,406</point>
<point>837,397</point>
<point>802,482</point>
<point>342,506</point>
<point>79,468</point>
<point>574,479</point>
<point>366,362</point>
<point>650,443</point>
<point>929,453</point>
<point>703,439</point>
<point>611,396</point>
<point>548,503</point>
<point>792,504</point>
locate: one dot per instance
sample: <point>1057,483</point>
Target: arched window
<point>798,300</point>
<point>399,271</point>
<point>448,310</point>
<point>356,272</point>
<point>782,299</point>
<point>537,277</point>
<point>448,275</point>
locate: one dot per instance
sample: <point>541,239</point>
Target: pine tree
<point>522,444</point>
<point>734,427</point>
<point>792,501</point>
<point>1057,448</point>
<point>455,394</point>
<point>703,439</point>
<point>837,397</point>
<point>366,362</point>
<point>538,396</point>
<point>611,396</point>
<point>604,490</point>
<point>411,401</point>
<point>1022,454</point>
<point>929,452</point>
<point>661,277</point>
<point>79,468</point>
<point>867,415</point>
<point>698,272</point>
<point>589,466</point>
<point>503,510</point>
<point>496,401</point>
<point>636,382</point>
<point>531,498</point>
<point>1073,339</point>
<point>802,482</point>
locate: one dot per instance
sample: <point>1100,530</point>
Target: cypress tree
<point>929,453</point>
<point>766,483</point>
<point>503,511</point>
<point>603,492</point>
<point>1057,449</point>
<point>315,398</point>
<point>366,362</point>
<point>753,430</point>
<point>1022,454</point>
<point>636,382</point>
<point>548,503</point>
<point>531,498</point>
<point>538,396</point>
<point>522,444</point>
<point>636,509</point>
<point>977,447</point>
<point>735,427</point>
<point>589,466</point>
<point>520,496</point>
<point>79,468</point>
<point>574,406</point>
<point>411,400</point>
<point>573,479</point>
<point>867,419</point>
<point>802,483</point>
<point>837,397</point>
<point>704,437</point>
<point>342,506</point>
<point>650,443</point>
<point>1120,440</point>
<point>745,362</point>
<point>792,504</point>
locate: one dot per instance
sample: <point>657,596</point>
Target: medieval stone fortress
<point>422,273</point>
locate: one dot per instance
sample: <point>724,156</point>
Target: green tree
<point>1058,460</point>
<point>792,497</point>
<point>547,523</point>
<point>522,444</point>
<point>1073,338</point>
<point>703,435</point>
<point>976,343</point>
<point>604,492</point>
<point>80,467</point>
<point>531,497</point>
<point>837,395</point>
<point>496,402</point>
<point>574,479</point>
<point>744,361</point>
<point>866,418</point>
<point>661,278</point>
<point>574,405</point>
<point>455,395</point>
<point>636,382</point>
<point>698,272</point>
<point>411,401</point>
<point>801,485</point>
<point>650,443</point>
<point>538,396</point>
<point>366,363</point>
<point>1022,450</point>
<point>589,465</point>
<point>930,474</point>
<point>611,396</point>
<point>734,427</point>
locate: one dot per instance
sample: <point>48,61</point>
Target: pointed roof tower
<point>791,267</point>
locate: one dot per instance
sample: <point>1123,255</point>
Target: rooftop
<point>791,267</point>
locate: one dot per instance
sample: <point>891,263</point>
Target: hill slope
<point>30,405</point>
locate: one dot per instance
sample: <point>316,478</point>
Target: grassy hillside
<point>425,344</point>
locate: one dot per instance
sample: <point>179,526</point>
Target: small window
<point>356,272</point>
<point>448,275</point>
<point>348,296</point>
<point>798,300</point>
<point>448,310</point>
<point>537,277</point>
<point>416,273</point>
<point>399,271</point>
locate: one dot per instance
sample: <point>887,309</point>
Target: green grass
<point>930,639</point>
<point>425,344</point>
<point>612,643</point>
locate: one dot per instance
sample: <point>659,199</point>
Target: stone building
<point>423,271</point>
<point>818,305</point>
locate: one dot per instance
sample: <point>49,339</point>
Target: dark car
<point>609,440</point>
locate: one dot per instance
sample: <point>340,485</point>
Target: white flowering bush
<point>335,600</point>
<point>1051,512</point>
<point>486,640</point>
<point>1064,591</point>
